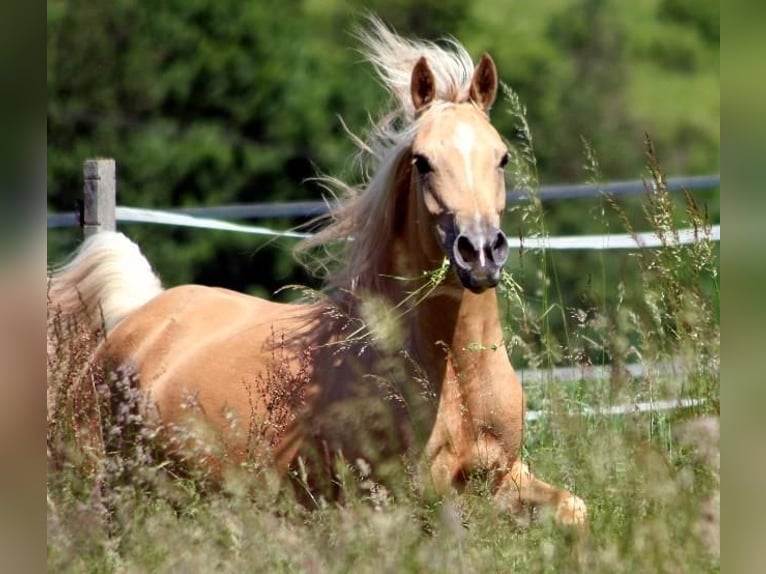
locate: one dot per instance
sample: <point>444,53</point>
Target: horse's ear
<point>422,85</point>
<point>484,83</point>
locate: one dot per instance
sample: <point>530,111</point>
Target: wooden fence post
<point>100,189</point>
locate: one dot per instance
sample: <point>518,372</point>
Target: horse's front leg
<point>520,487</point>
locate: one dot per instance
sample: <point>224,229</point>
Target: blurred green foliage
<point>212,102</point>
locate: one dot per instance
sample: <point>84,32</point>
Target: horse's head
<point>458,178</point>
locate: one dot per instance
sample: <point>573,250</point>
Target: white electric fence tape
<point>643,407</point>
<point>613,241</point>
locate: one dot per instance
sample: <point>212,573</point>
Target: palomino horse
<point>403,353</point>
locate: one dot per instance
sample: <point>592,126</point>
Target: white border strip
<point>615,241</point>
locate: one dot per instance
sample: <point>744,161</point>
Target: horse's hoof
<point>571,512</point>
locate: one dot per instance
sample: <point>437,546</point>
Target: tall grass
<point>651,480</point>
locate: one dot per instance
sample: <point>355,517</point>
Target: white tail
<point>106,279</point>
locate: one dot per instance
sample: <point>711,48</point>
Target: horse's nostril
<point>465,248</point>
<point>499,248</point>
<point>479,254</point>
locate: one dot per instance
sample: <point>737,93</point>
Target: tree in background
<point>202,103</point>
<point>591,96</point>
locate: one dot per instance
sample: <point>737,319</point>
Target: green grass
<point>647,497</point>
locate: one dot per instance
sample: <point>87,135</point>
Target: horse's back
<point>185,319</point>
<point>208,345</point>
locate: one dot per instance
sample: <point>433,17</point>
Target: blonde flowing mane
<point>365,213</point>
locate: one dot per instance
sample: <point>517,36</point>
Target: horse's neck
<point>452,332</point>
<point>459,333</point>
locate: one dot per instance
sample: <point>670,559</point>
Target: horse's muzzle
<point>479,257</point>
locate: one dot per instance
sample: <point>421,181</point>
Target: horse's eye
<point>504,160</point>
<point>421,164</point>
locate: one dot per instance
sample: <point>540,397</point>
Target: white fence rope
<point>601,372</point>
<point>642,407</point>
<point>619,240</point>
<point>139,215</point>
<point>591,372</point>
<point>611,241</point>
